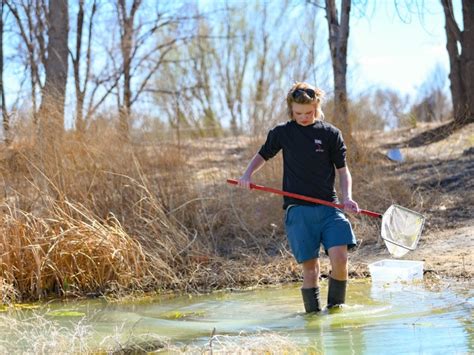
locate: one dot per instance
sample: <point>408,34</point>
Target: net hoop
<point>401,229</point>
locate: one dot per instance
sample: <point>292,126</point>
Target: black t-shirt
<point>310,156</point>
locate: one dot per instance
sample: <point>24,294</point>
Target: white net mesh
<point>401,230</point>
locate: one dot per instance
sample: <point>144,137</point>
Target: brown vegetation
<point>99,216</point>
<point>104,216</point>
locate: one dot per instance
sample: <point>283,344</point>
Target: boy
<point>312,152</point>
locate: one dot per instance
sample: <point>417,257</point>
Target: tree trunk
<point>258,111</point>
<point>51,112</point>
<point>338,38</point>
<point>461,63</point>
<point>3,105</point>
<point>467,59</point>
<point>80,126</point>
<point>126,45</point>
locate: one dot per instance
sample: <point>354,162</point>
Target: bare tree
<point>81,84</point>
<point>30,18</point>
<point>3,105</point>
<point>53,96</point>
<point>432,104</point>
<point>222,69</point>
<point>203,65</point>
<point>127,31</point>
<point>261,70</point>
<point>368,116</point>
<point>145,44</point>
<point>232,62</point>
<point>93,82</point>
<point>311,51</point>
<point>185,88</point>
<point>338,39</point>
<point>460,46</point>
<point>390,106</point>
<point>268,54</point>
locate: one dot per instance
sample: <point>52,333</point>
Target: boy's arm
<point>256,163</point>
<point>345,180</point>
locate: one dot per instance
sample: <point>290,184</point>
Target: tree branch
<point>450,20</point>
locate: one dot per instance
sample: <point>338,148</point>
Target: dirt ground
<point>440,166</point>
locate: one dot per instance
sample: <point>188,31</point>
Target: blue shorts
<point>307,227</point>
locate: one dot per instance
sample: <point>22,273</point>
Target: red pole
<point>302,197</point>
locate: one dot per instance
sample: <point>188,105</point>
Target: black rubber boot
<point>311,299</point>
<point>336,292</point>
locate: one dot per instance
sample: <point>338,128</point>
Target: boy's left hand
<point>351,206</point>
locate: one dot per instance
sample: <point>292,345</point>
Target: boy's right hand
<point>244,182</point>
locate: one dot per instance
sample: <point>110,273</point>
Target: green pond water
<point>389,319</point>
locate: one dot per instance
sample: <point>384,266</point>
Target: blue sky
<point>386,51</point>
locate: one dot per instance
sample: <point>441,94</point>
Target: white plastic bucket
<point>396,270</point>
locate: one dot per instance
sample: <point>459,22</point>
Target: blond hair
<point>305,98</point>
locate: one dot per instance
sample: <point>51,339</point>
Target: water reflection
<point>393,318</point>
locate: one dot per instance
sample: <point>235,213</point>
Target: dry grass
<point>256,343</point>
<point>69,253</point>
<point>99,215</point>
<point>37,334</point>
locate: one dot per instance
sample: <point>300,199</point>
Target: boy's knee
<point>311,268</point>
<point>310,272</point>
<point>338,256</point>
<point>340,259</point>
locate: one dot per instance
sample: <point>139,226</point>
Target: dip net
<point>401,230</point>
